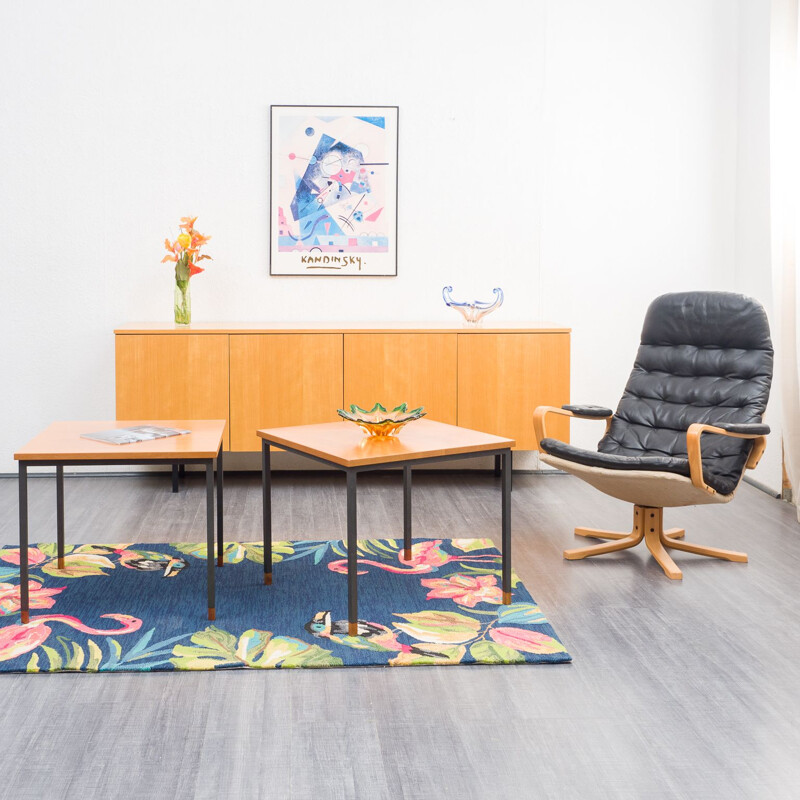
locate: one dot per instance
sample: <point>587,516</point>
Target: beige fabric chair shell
<point>640,487</point>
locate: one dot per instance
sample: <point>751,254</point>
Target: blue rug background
<point>158,592</point>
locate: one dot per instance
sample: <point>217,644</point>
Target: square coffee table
<point>345,446</point>
<point>61,444</point>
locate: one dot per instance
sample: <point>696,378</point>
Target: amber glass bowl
<point>378,421</point>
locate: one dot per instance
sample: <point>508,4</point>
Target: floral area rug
<point>142,607</point>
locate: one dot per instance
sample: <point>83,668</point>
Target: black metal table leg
<point>351,473</point>
<point>212,611</point>
<point>220,535</point>
<point>60,514</point>
<point>266,493</point>
<point>352,553</point>
<point>407,513</point>
<point>23,542</point>
<point>506,526</point>
<point>497,470</point>
<point>174,478</point>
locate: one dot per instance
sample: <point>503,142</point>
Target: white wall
<point>581,155</point>
<point>640,186</point>
<point>752,263</point>
<point>119,118</point>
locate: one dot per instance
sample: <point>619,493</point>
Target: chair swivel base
<point>648,524</point>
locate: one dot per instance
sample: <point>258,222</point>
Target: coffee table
<point>61,444</point>
<point>345,446</point>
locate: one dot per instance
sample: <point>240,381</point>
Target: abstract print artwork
<point>333,173</point>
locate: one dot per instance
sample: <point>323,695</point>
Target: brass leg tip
<point>25,618</point>
<point>407,554</point>
<point>267,579</point>
<point>506,598</point>
<point>212,613</point>
<point>352,628</point>
<point>61,563</point>
<point>219,561</point>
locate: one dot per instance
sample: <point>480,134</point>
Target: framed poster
<point>333,190</point>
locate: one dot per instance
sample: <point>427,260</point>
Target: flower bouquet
<point>185,252</point>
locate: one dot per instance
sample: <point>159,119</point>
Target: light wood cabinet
<point>503,377</point>
<point>282,379</point>
<point>259,376</point>
<point>173,377</point>
<point>392,368</point>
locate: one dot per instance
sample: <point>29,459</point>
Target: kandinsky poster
<point>333,174</point>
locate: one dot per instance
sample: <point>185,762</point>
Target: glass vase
<point>183,303</point>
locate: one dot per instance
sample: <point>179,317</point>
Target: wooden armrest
<point>541,412</point>
<point>693,434</point>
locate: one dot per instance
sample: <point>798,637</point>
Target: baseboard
<point>761,487</point>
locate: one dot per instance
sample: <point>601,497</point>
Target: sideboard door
<point>503,377</point>
<point>282,379</point>
<point>393,368</point>
<point>172,376</point>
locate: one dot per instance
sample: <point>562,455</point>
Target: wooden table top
<point>62,441</point>
<point>344,443</point>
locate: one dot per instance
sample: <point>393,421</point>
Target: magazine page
<point>137,433</point>
<point>144,432</point>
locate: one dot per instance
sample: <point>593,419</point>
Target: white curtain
<point>785,205</point>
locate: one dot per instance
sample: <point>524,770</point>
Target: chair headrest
<point>707,319</point>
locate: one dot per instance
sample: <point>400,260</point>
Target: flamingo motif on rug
<point>426,556</point>
<point>16,640</point>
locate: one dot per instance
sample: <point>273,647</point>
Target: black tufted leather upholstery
<point>751,428</point>
<point>650,462</point>
<point>704,357</point>
<point>599,412</point>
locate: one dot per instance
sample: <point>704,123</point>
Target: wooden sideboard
<point>267,375</point>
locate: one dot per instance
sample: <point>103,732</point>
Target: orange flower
<point>184,252</point>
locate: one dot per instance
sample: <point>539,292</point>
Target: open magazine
<point>138,433</point>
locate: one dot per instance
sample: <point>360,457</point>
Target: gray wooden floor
<point>678,689</point>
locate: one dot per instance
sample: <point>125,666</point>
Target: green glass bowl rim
<point>355,411</point>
